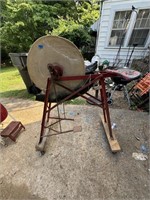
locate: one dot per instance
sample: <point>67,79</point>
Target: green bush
<point>22,22</point>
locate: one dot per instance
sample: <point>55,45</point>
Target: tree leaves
<point>22,22</point>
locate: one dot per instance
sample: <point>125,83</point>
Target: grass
<point>12,85</point>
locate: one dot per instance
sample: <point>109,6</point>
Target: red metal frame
<point>97,77</point>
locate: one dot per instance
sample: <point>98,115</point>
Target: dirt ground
<point>76,166</point>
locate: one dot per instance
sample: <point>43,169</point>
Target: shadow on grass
<point>17,94</point>
<point>25,95</point>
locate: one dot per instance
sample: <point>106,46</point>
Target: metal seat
<point>128,76</point>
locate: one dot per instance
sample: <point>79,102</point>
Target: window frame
<point>119,8</point>
<point>141,28</point>
<point>120,29</point>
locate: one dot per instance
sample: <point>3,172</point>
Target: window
<point>141,30</point>
<point>139,33</point>
<point>121,21</point>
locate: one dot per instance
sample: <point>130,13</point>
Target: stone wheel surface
<point>56,51</point>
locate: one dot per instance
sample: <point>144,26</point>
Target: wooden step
<point>12,130</point>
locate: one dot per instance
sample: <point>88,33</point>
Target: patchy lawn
<point>11,84</point>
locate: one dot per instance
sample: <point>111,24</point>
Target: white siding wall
<point>106,52</point>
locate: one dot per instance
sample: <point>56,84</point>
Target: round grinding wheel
<point>58,51</point>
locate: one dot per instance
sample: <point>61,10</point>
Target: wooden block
<point>40,146</point>
<point>114,145</point>
<point>12,130</point>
